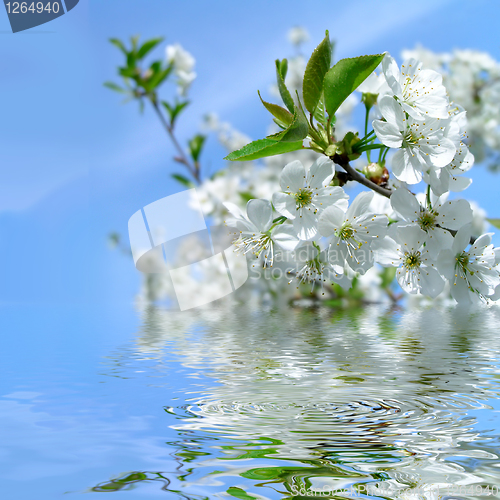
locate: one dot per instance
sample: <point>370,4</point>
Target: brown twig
<point>354,175</point>
<point>194,170</point>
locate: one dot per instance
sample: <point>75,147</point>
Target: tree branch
<point>182,158</point>
<point>354,175</point>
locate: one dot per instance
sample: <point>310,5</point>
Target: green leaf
<point>296,131</point>
<point>115,87</point>
<point>128,72</point>
<point>148,47</point>
<point>319,112</point>
<point>119,44</point>
<point>183,180</point>
<point>173,111</point>
<point>284,117</point>
<point>388,274</point>
<point>131,60</point>
<point>283,69</point>
<point>134,40</point>
<point>262,148</point>
<point>345,77</point>
<point>159,76</point>
<point>239,493</point>
<point>316,69</point>
<point>494,222</point>
<point>196,145</point>
<point>246,196</point>
<point>284,93</point>
<point>285,141</point>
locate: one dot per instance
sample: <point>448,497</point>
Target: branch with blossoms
<point>310,220</point>
<point>143,85</point>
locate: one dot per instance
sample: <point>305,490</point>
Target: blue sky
<point>75,163</point>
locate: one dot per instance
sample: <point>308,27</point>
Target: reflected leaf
<point>239,493</point>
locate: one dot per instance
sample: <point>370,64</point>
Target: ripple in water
<point>279,405</point>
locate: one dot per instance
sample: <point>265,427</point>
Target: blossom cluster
<point>472,78</point>
<point>298,218</point>
<point>425,237</point>
<point>183,64</point>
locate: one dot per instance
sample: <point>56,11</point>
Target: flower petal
<point>285,205</point>
<point>446,264</point>
<point>285,236</point>
<point>332,195</point>
<point>405,204</point>
<point>462,239</point>
<point>403,169</point>
<point>330,220</point>
<point>411,237</point>
<point>360,204</point>
<point>292,178</point>
<point>306,224</point>
<point>260,214</point>
<point>408,280</point>
<point>386,252</point>
<point>391,73</point>
<point>320,174</point>
<point>454,214</point>
<point>388,133</point>
<point>431,282</point>
<point>438,239</point>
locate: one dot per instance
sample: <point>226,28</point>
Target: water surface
<point>240,402</point>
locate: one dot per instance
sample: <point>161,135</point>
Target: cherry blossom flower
<point>258,233</point>
<point>472,274</point>
<point>298,35</point>
<point>183,63</point>
<point>416,271</point>
<point>449,178</point>
<point>434,220</point>
<point>305,196</point>
<point>351,233</point>
<point>420,92</point>
<point>422,144</point>
<point>313,266</point>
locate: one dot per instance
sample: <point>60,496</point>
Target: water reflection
<point>282,404</point>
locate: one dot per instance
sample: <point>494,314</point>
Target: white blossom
<point>434,220</point>
<point>351,233</point>
<point>305,196</point>
<point>421,144</point>
<point>420,92</point>
<point>298,35</point>
<point>416,271</point>
<point>183,63</point>
<point>472,274</point>
<point>449,178</point>
<point>258,233</point>
<point>313,266</point>
<point>214,192</point>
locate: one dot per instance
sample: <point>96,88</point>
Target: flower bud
<point>316,147</point>
<point>377,174</point>
<point>331,150</point>
<point>369,99</point>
